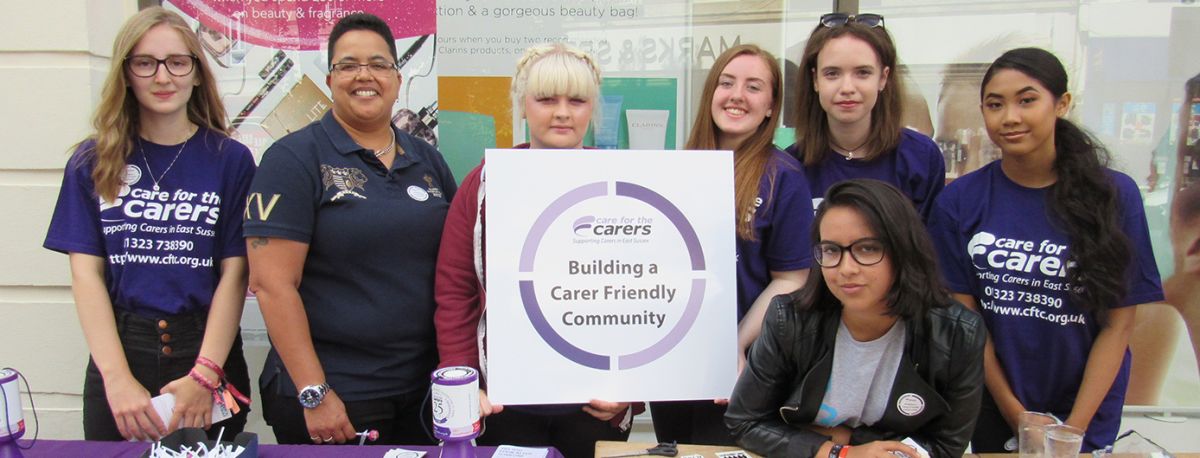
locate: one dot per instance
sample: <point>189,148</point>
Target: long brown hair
<point>752,157</point>
<point>116,118</point>
<point>812,123</point>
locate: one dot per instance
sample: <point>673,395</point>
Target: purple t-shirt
<point>163,248</point>
<point>996,243</point>
<point>916,167</point>
<point>782,218</point>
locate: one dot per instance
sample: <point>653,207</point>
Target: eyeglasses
<point>144,66</point>
<point>866,252</point>
<point>839,19</point>
<point>349,69</point>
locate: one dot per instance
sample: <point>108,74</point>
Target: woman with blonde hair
<point>150,214</point>
<point>741,97</point>
<point>555,91</point>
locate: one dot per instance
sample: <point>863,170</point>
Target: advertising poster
<point>271,63</point>
<point>607,279</point>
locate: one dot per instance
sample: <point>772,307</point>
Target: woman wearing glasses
<point>871,351</point>
<point>742,94</point>
<point>150,213</point>
<point>1052,248</point>
<point>848,118</point>
<point>342,227</point>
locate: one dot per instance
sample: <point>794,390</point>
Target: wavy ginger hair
<point>115,121</point>
<point>752,158</point>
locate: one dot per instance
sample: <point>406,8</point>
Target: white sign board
<point>610,275</point>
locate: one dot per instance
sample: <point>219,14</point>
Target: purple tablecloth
<point>90,449</point>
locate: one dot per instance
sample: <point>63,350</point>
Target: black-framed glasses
<point>866,252</point>
<point>840,19</point>
<point>144,66</point>
<point>349,69</point>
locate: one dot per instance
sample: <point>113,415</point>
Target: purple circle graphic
<point>529,297</point>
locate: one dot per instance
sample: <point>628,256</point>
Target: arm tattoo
<point>259,242</point>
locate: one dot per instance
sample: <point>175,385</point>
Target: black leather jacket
<point>934,399</point>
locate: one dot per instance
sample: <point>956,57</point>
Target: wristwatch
<point>311,396</point>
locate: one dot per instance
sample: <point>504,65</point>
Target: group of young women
<point>361,245</point>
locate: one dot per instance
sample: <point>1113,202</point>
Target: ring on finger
<point>313,438</point>
<point>327,439</point>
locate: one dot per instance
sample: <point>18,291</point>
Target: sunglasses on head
<point>840,19</point>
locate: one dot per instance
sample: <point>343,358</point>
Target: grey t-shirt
<point>862,377</point>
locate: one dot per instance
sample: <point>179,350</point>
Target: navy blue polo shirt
<point>372,236</point>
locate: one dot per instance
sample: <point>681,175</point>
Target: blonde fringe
<point>555,69</point>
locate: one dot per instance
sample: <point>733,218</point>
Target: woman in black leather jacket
<point>909,361</point>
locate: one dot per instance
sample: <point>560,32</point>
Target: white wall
<point>53,59</point>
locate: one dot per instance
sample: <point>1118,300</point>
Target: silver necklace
<point>172,164</point>
<point>849,151</point>
<point>380,153</point>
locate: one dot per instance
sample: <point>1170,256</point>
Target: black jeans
<point>158,352</point>
<point>991,430</point>
<point>690,422</point>
<point>574,433</point>
<point>401,420</point>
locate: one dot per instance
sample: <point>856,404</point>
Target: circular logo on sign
<point>418,194</point>
<point>910,404</point>
<point>590,228</point>
<point>132,174</point>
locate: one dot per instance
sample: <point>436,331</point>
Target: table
<point>1081,455</point>
<point>95,449</point>
<point>606,448</point>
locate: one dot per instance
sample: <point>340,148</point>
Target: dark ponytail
<point>1083,202</point>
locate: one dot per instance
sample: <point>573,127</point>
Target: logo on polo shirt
<point>430,188</point>
<point>346,179</point>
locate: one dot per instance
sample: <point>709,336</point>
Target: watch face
<point>310,397</point>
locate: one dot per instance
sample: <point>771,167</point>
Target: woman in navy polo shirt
<point>150,213</point>
<point>1052,248</point>
<point>848,114</point>
<point>742,97</point>
<point>555,91</point>
<point>343,223</point>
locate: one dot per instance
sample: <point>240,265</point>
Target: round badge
<point>418,194</point>
<point>910,404</point>
<point>132,174</point>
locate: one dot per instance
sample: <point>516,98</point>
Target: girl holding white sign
<point>150,213</point>
<point>848,114</point>
<point>772,203</point>
<point>555,90</point>
<point>1052,248</point>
